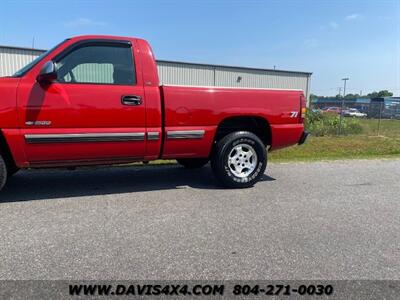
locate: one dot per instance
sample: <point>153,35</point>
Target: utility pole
<point>342,108</point>
<point>344,88</point>
<point>340,91</point>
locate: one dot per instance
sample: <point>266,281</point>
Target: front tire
<point>3,173</point>
<point>239,160</point>
<point>193,163</point>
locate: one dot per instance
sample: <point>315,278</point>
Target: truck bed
<point>204,107</point>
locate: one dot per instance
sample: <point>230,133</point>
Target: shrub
<point>323,124</point>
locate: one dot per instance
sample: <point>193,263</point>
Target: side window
<point>101,64</point>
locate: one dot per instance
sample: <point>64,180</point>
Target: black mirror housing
<point>47,73</point>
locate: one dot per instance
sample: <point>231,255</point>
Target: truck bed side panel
<point>204,108</point>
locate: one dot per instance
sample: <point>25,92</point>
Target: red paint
<point>96,108</point>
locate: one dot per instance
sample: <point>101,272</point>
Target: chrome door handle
<point>131,100</point>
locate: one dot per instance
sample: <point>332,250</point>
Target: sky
<point>332,39</point>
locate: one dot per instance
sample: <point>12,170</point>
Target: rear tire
<point>239,160</point>
<point>193,163</point>
<point>3,172</point>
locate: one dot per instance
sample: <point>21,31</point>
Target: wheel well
<point>257,125</point>
<point>6,153</point>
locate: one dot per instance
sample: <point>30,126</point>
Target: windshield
<point>33,63</point>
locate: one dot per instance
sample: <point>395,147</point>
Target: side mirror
<point>48,73</point>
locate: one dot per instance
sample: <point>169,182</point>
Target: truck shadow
<point>53,184</point>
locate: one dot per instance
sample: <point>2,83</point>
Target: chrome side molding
<point>185,134</point>
<point>153,136</point>
<point>111,137</point>
<point>83,137</point>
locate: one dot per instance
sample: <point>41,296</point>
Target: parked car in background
<point>316,110</point>
<point>354,112</point>
<point>333,109</point>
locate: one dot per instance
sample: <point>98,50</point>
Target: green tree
<point>383,93</point>
<point>352,96</point>
<point>313,97</point>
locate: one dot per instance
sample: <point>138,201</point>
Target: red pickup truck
<point>97,100</point>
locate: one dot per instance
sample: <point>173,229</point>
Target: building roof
<point>185,63</point>
<point>233,67</point>
<point>22,48</point>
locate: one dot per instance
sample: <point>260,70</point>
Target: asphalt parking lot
<point>326,220</point>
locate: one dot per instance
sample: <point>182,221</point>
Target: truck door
<point>93,112</point>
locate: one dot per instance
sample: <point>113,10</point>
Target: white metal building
<point>14,58</point>
<point>183,73</point>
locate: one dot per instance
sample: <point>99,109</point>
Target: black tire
<point>3,172</point>
<point>222,156</point>
<point>193,163</point>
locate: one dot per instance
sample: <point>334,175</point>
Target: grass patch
<point>389,128</point>
<point>360,140</point>
<point>340,147</point>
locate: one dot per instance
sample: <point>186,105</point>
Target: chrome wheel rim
<point>242,160</point>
